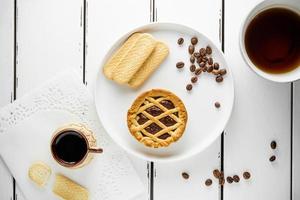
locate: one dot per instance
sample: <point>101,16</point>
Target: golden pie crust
<point>168,119</point>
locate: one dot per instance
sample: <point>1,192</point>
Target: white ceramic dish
<point>205,122</point>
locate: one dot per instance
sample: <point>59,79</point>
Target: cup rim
<point>61,161</point>
<point>250,16</point>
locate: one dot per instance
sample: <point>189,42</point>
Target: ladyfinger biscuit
<point>39,173</point>
<point>158,55</point>
<point>67,189</point>
<point>134,59</point>
<point>115,60</point>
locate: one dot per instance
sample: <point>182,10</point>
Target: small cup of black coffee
<point>73,145</point>
<point>270,40</point>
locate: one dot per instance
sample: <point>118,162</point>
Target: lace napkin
<point>26,127</point>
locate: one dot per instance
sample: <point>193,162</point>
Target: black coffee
<point>69,147</point>
<point>272,40</point>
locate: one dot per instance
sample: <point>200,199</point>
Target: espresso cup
<point>73,145</point>
<point>286,75</point>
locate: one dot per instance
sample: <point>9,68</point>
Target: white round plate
<point>205,122</point>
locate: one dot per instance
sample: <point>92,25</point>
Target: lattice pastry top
<point>157,118</point>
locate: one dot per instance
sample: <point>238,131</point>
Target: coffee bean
<point>180,41</point>
<point>185,175</point>
<point>215,72</point>
<point>208,50</point>
<point>198,71</point>
<point>194,79</point>
<point>197,55</point>
<point>198,60</point>
<point>216,173</point>
<point>192,59</point>
<point>223,72</point>
<point>217,105</point>
<point>180,65</point>
<point>210,61</point>
<point>246,175</point>
<point>229,179</point>
<point>219,79</point>
<point>210,69</point>
<point>189,87</point>
<point>192,68</point>
<point>221,181</point>
<point>216,66</point>
<point>236,178</point>
<point>204,69</point>
<point>191,49</point>
<point>273,145</point>
<point>202,52</point>
<point>194,40</point>
<point>204,59</point>
<point>208,182</point>
<point>272,158</point>
<point>202,64</point>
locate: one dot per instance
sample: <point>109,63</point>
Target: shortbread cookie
<point>67,189</point>
<point>39,173</point>
<point>158,55</point>
<point>115,60</point>
<point>157,118</point>
<point>134,58</point>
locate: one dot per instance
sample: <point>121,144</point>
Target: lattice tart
<point>157,118</point>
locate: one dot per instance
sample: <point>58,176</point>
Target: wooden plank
<point>6,81</point>
<point>106,21</point>
<point>296,142</point>
<point>49,39</point>
<point>168,183</point>
<point>262,113</point>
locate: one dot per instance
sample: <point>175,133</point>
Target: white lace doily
<point>67,93</point>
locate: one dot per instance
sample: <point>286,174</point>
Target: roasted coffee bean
<point>272,158</point>
<point>223,72</point>
<point>194,79</point>
<point>202,64</point>
<point>180,41</point>
<point>202,52</point>
<point>219,79</point>
<point>191,49</point>
<point>210,69</point>
<point>192,68</point>
<point>246,175</point>
<point>185,175</point>
<point>198,71</point>
<point>180,65</point>
<point>221,174</point>
<point>221,181</point>
<point>197,55</point>
<point>229,179</point>
<point>208,50</point>
<point>194,40</point>
<point>204,59</point>
<point>216,66</point>
<point>273,145</point>
<point>204,69</point>
<point>192,59</point>
<point>189,87</point>
<point>216,173</point>
<point>217,105</point>
<point>198,60</point>
<point>210,61</point>
<point>208,182</point>
<point>236,178</point>
<point>215,72</point>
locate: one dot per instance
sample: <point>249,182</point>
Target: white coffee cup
<point>293,5</point>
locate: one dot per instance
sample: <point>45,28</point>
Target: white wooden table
<point>39,38</point>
